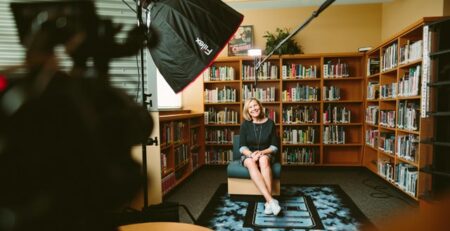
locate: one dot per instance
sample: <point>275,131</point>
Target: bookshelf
<point>393,124</point>
<point>438,110</point>
<point>291,88</point>
<point>181,147</point>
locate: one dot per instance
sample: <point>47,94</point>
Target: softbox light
<point>189,35</point>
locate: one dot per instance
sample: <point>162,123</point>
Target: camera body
<point>65,138</point>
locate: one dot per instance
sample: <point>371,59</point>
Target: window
<point>167,98</point>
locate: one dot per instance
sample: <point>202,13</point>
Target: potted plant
<point>289,47</point>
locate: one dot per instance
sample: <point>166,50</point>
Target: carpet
<point>305,207</point>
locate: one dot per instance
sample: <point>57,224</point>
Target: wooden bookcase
<point>182,148</point>
<point>290,88</point>
<point>438,110</point>
<point>393,124</point>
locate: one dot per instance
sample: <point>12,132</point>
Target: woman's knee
<point>249,163</point>
<point>264,162</point>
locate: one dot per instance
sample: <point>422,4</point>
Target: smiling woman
<point>258,143</point>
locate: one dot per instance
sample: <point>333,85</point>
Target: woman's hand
<point>255,155</point>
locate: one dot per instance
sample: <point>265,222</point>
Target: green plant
<point>289,47</point>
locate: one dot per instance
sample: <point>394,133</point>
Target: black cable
<point>382,194</point>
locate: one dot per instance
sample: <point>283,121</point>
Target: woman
<point>258,142</point>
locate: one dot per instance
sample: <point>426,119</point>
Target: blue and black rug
<point>305,207</point>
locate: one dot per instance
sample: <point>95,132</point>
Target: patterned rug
<point>305,207</point>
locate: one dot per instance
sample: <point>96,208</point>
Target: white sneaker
<point>273,204</point>
<point>267,209</point>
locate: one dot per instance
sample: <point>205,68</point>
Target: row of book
<point>164,163</point>
<point>262,94</point>
<point>390,57</point>
<point>336,114</point>
<point>223,95</point>
<point>387,118</point>
<point>386,169</point>
<point>411,52</point>
<point>179,131</point>
<point>166,133</point>
<point>407,147</point>
<point>299,71</point>
<point>195,160</point>
<point>372,137</point>
<point>181,155</point>
<point>300,136</point>
<point>408,115</point>
<point>373,66</point>
<point>334,134</point>
<point>300,93</point>
<point>372,114</point>
<point>168,182</point>
<point>266,71</point>
<point>300,114</point>
<point>409,82</point>
<point>402,174</point>
<point>406,177</point>
<point>270,113</point>
<point>373,90</point>
<point>219,156</point>
<point>219,136</point>
<point>219,73</point>
<point>299,156</point>
<point>331,93</point>
<point>224,116</point>
<point>388,91</point>
<point>336,70</point>
<point>387,142</point>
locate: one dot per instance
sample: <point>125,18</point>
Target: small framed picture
<point>241,42</point>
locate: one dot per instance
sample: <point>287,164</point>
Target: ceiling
<point>261,4</point>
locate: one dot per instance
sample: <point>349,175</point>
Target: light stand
<point>144,105</point>
<point>314,15</point>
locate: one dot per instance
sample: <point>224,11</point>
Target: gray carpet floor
<point>376,198</point>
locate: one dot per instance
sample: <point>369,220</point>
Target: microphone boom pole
<point>314,15</point>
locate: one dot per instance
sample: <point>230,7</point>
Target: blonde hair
<point>245,112</point>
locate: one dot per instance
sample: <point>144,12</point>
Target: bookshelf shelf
<point>222,125</point>
<point>409,97</point>
<point>408,161</point>
<point>342,145</point>
<point>300,124</point>
<point>182,149</point>
<point>389,71</point>
<point>307,74</point>
<point>411,63</point>
<point>300,144</point>
<point>439,53</point>
<point>408,131</point>
<point>343,79</point>
<point>343,101</point>
<point>439,84</point>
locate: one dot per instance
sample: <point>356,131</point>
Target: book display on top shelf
<point>393,120</point>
